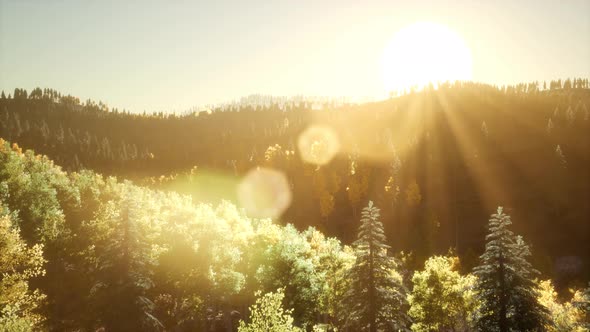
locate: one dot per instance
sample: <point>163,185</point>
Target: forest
<point>463,207</point>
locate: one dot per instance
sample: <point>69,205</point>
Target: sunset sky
<point>173,55</point>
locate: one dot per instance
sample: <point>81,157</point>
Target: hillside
<point>437,162</point>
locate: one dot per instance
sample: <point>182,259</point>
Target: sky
<point>177,54</point>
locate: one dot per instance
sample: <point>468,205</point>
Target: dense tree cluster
<point>434,161</point>
<point>83,252</point>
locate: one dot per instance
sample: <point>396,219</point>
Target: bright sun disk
<point>425,52</point>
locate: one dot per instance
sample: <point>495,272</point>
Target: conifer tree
<point>508,294</point>
<point>560,156</point>
<point>375,299</point>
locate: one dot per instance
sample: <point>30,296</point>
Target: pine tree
<point>549,126</point>
<point>375,298</point>
<point>484,129</point>
<point>529,314</point>
<point>508,295</point>
<point>560,156</point>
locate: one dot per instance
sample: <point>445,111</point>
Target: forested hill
<point>437,162</point>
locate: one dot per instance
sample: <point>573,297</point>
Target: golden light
<point>318,144</point>
<point>425,52</point>
<point>264,193</point>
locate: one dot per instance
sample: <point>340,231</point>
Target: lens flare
<point>264,193</point>
<point>318,145</point>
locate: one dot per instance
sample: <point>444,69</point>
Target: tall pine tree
<point>508,294</point>
<point>375,298</point>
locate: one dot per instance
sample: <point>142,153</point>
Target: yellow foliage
<point>565,316</point>
<point>390,185</point>
<point>18,264</point>
<point>413,196</point>
<point>272,153</point>
<point>16,148</point>
<point>391,190</point>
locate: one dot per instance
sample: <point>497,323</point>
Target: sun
<point>425,52</point>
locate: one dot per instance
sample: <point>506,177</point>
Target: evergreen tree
<point>375,299</point>
<point>508,295</point>
<point>529,314</point>
<point>560,156</point>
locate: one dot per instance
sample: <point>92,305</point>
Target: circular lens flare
<point>318,145</point>
<point>264,193</point>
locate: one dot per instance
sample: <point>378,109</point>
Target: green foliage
<point>508,294</point>
<point>122,257</point>
<point>89,135</point>
<point>305,263</point>
<point>130,258</point>
<point>442,299</point>
<point>37,188</point>
<point>268,315</point>
<point>375,297</point>
<point>19,305</point>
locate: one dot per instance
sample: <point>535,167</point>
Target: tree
<point>285,259</point>
<point>413,196</point>
<point>484,129</point>
<point>549,126</point>
<point>560,156</point>
<point>18,264</point>
<point>529,313</point>
<point>581,301</point>
<point>442,299</point>
<point>124,263</point>
<point>268,315</point>
<point>564,316</point>
<point>375,298</point>
<point>508,294</point>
